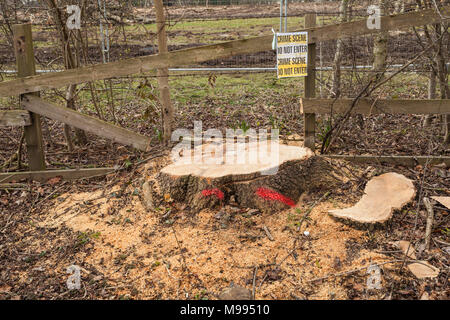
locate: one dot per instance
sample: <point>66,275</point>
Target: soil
<point>175,252</point>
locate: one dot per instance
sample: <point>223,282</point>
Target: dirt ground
<point>127,252</point>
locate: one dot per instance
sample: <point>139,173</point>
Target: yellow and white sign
<point>292,54</point>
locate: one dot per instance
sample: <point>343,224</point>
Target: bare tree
<point>380,45</point>
<point>438,36</point>
<point>339,52</point>
<point>70,62</point>
<point>163,74</point>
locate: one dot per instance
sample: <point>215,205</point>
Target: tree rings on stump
<point>267,176</point>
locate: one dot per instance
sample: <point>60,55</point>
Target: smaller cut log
<point>423,269</point>
<point>383,195</point>
<point>14,118</point>
<point>445,201</point>
<point>147,195</point>
<point>407,248</point>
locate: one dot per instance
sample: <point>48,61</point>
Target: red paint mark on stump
<point>216,192</point>
<point>272,195</point>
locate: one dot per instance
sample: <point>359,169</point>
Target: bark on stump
<point>202,185</point>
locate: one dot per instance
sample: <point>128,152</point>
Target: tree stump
<point>272,182</point>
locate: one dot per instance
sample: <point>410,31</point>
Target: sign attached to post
<point>292,54</point>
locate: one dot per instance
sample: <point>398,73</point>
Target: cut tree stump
<point>383,195</point>
<point>267,183</point>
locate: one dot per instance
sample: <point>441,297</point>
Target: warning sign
<point>292,54</point>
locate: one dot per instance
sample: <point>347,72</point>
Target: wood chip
<point>423,269</point>
<point>404,245</point>
<point>266,230</point>
<point>445,201</point>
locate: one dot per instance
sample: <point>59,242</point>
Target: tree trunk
<point>163,74</point>
<point>443,79</point>
<point>69,63</point>
<point>339,52</point>
<point>380,46</point>
<point>431,95</point>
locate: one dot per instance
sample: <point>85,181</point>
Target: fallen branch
<point>307,213</point>
<point>266,230</point>
<point>352,271</point>
<point>430,219</point>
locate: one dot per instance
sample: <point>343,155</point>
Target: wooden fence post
<point>310,86</point>
<point>163,73</point>
<point>23,47</point>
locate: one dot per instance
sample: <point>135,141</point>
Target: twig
<point>430,219</point>
<point>307,213</point>
<point>262,281</point>
<point>254,281</point>
<point>13,186</point>
<point>365,93</point>
<point>352,271</point>
<point>268,233</point>
<point>290,252</point>
<point>442,242</point>
<point>51,194</point>
<point>158,155</point>
<point>8,162</point>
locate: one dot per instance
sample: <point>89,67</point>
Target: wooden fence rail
<point>85,122</point>
<point>211,52</point>
<point>14,118</point>
<point>43,176</point>
<point>368,106</point>
<point>407,161</point>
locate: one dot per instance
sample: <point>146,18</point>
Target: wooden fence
<point>29,84</point>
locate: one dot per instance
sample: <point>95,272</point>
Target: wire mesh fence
<point>133,32</point>
<point>230,89</point>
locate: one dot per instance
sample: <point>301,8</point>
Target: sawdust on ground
<point>193,255</point>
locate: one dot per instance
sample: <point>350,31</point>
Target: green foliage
<point>324,128</point>
<point>202,295</point>
<point>275,123</point>
<point>159,135</point>
<point>127,164</point>
<point>244,126</point>
<point>85,237</point>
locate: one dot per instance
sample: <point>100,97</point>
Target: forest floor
<point>174,252</point>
